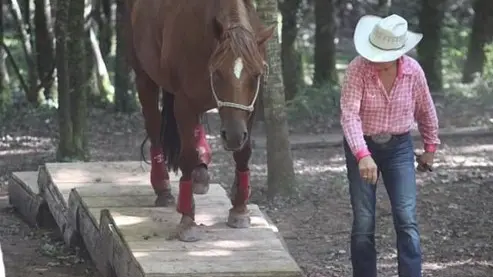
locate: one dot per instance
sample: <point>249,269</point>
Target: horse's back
<point>164,35</point>
<point>172,40</point>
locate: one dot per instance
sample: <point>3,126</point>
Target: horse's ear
<point>265,34</point>
<point>218,27</point>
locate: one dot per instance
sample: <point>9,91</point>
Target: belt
<point>384,137</point>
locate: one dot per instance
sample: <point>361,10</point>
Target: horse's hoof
<point>188,231</point>
<point>164,199</point>
<point>200,179</point>
<point>239,220</point>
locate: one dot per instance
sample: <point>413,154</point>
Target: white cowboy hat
<point>384,39</point>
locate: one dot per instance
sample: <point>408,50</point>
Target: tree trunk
<point>384,7</point>
<point>291,63</point>
<point>78,77</point>
<point>481,34</point>
<point>104,85</point>
<point>44,45</point>
<point>430,48</point>
<point>281,177</point>
<point>5,94</point>
<point>325,49</point>
<point>124,97</point>
<point>32,95</point>
<point>106,29</point>
<point>65,144</point>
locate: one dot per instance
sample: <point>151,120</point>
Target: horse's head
<point>237,67</point>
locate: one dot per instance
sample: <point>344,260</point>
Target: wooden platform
<point>109,207</point>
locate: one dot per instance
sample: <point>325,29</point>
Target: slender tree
<point>430,48</point>
<point>481,34</point>
<point>325,49</point>
<point>281,177</point>
<point>65,148</point>
<point>290,57</point>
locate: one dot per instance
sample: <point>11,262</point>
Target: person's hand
<point>425,161</point>
<point>368,170</point>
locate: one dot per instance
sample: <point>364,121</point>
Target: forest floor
<point>455,205</point>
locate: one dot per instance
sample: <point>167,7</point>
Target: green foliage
<point>455,41</point>
<point>314,102</point>
<point>488,66</point>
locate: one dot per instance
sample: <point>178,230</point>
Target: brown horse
<point>202,55</point>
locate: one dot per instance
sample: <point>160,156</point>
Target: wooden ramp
<point>110,208</point>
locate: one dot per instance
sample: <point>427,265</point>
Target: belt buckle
<point>381,138</point>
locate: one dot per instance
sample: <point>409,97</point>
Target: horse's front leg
<point>200,174</point>
<point>239,215</point>
<point>188,230</point>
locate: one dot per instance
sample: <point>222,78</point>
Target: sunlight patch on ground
<point>475,149</point>
<point>303,166</point>
<point>462,160</point>
<point>442,266</point>
<point>8,141</point>
<point>20,152</point>
<point>439,266</point>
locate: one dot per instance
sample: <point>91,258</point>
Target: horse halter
<point>248,108</point>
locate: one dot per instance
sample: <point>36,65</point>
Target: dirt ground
<point>455,202</point>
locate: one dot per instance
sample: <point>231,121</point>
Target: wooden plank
<point>120,260</point>
<point>109,189</point>
<point>191,259</point>
<point>111,195</point>
<point>58,206</point>
<point>141,201</point>
<point>218,263</point>
<point>101,172</point>
<point>111,206</point>
<point>23,195</point>
<point>88,229</point>
<point>137,224</point>
<point>28,179</point>
<point>220,239</point>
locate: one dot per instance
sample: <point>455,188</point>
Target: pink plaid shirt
<point>366,108</point>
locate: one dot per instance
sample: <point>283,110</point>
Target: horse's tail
<point>170,137</point>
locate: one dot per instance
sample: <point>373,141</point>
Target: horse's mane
<point>238,37</point>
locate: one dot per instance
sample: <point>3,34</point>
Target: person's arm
<point>425,113</point>
<point>351,95</point>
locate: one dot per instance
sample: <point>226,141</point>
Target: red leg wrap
<point>185,198</point>
<point>159,173</point>
<point>243,187</point>
<point>203,147</point>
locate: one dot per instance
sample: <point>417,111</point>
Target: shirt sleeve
<point>351,96</point>
<point>425,112</point>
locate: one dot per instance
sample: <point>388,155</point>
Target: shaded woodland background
<point>316,44</point>
<point>67,94</point>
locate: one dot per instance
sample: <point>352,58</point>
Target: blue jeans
<point>395,161</point>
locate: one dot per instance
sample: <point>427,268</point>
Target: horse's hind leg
<point>239,215</point>
<point>149,99</point>
<point>200,174</point>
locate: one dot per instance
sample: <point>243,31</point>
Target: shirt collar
<point>403,67</point>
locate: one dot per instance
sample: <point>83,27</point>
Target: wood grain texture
<point>58,206</point>
<point>120,260</point>
<point>24,196</point>
<point>139,223</point>
<point>110,207</point>
<point>101,172</point>
<point>87,227</point>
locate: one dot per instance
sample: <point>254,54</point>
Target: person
<point>384,92</point>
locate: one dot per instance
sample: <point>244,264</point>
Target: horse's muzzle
<point>234,134</point>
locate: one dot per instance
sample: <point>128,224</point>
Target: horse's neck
<point>234,13</point>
